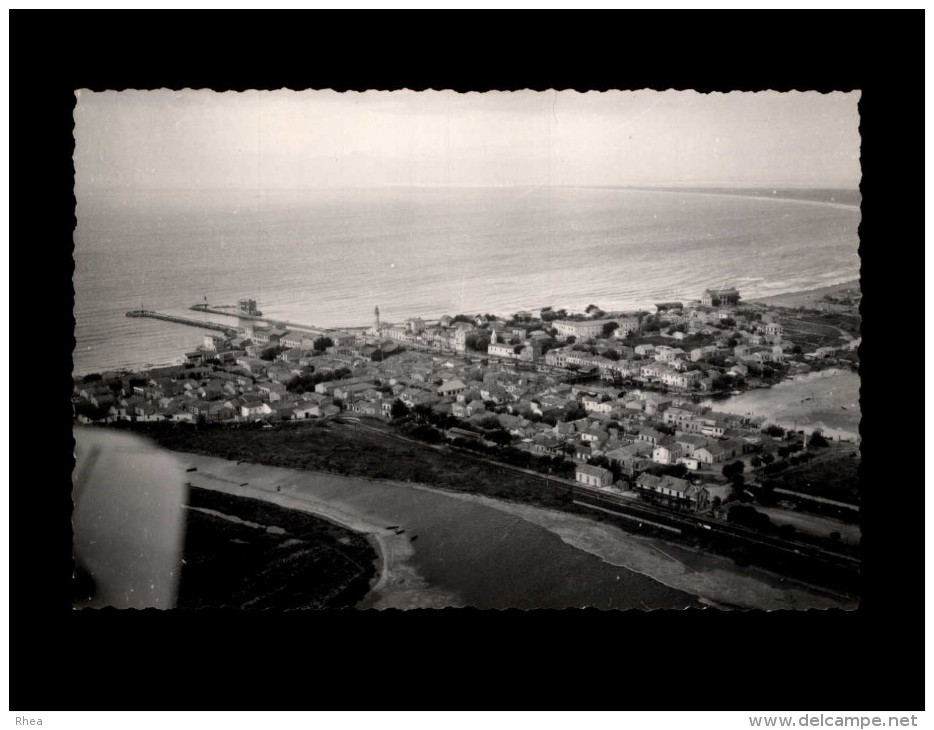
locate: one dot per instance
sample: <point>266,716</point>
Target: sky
<point>190,140</point>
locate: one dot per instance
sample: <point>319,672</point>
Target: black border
<point>865,660</point>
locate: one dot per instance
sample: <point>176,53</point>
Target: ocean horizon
<point>328,257</point>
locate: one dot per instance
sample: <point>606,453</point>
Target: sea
<point>328,257</point>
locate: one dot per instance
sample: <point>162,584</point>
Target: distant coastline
<point>849,198</point>
<point>806,297</point>
<point>800,298</point>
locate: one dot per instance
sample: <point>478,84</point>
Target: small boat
<point>192,468</point>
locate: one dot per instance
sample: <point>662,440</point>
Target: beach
<point>826,400</point>
<point>807,298</point>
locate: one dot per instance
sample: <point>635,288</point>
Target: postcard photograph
<point>427,349</point>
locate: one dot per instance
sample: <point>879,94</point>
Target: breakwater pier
<point>240,314</point>
<point>182,320</point>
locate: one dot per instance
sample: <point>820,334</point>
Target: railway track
<point>677,521</point>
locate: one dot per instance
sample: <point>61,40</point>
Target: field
<point>244,553</point>
<point>833,475</point>
<point>815,331</point>
<point>356,452</point>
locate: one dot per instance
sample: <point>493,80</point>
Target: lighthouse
<point>376,312</point>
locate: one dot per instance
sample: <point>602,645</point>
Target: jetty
<point>231,311</point>
<point>228,310</point>
<point>182,320</point>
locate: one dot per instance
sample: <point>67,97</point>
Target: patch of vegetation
<point>300,562</point>
<point>832,474</point>
<point>356,452</point>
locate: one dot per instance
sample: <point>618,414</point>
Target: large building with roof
<point>593,476</point>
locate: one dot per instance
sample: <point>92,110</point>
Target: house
<point>595,404</point>
<point>666,453</point>
<point>626,325</point>
<point>689,442</point>
<point>674,492</point>
<point>631,456</point>
<point>546,444</point>
<point>702,353</point>
<point>650,435</point>
<point>452,387</point>
<point>306,410</point>
<point>581,451</point>
<point>214,342</point>
<point>460,433</point>
<point>582,330</point>
<point>251,406</point>
<point>273,391</point>
<point>594,436</point>
<point>708,454</point>
<point>593,476</point>
<point>690,462</point>
<point>681,380</point>
<point>720,297</point>
<point>668,354</point>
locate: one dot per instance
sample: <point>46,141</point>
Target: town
<point>605,399</point>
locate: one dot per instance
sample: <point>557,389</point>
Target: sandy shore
<point>804,298</point>
<point>398,584</point>
<point>410,579</point>
<point>826,399</point>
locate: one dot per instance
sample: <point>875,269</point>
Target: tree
<point>775,431</point>
<point>478,342</point>
<point>91,377</point>
<point>91,411</point>
<point>322,344</point>
<point>609,328</point>
<point>817,439</point>
<point>735,468</point>
<point>399,409</point>
<point>574,412</point>
<point>743,514</point>
<point>422,411</point>
<point>756,461</point>
<point>500,437</point>
<point>570,339</point>
<point>489,423</point>
<point>270,352</point>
